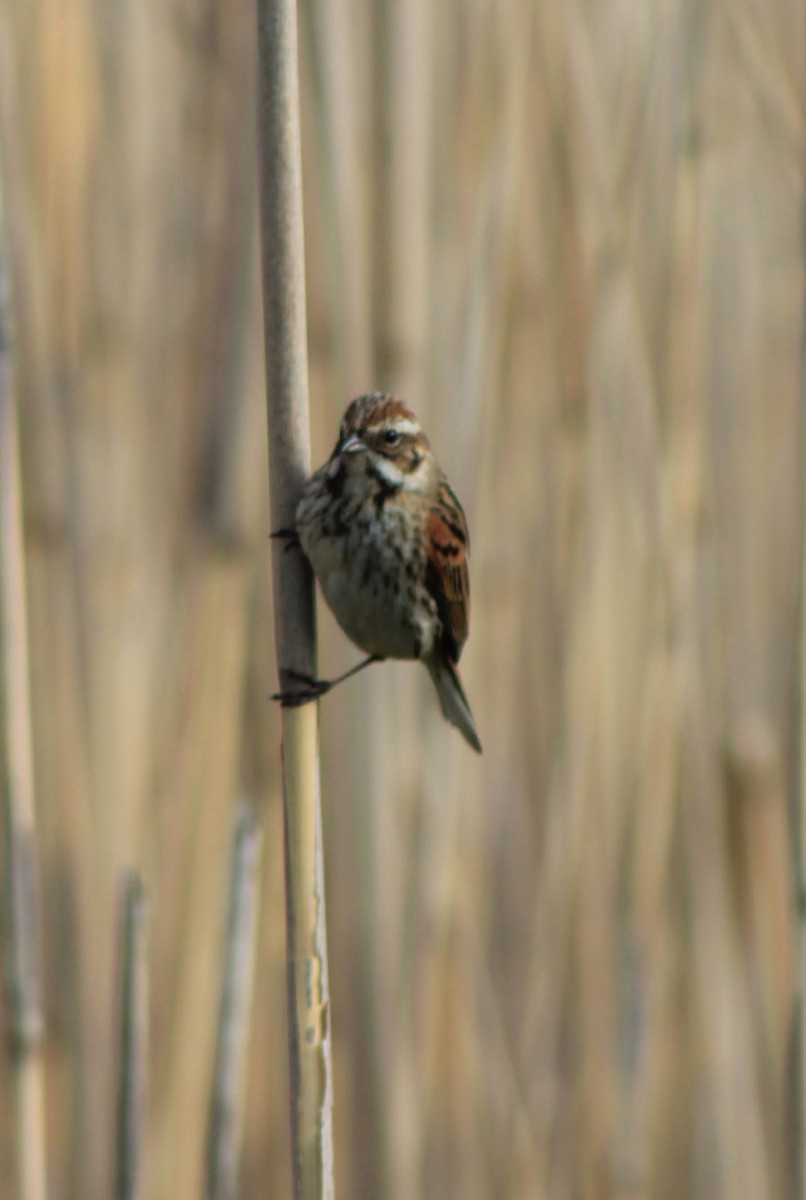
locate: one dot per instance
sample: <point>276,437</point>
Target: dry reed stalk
<point>132,1039</point>
<point>51,53</point>
<point>340,80</point>
<point>341,72</point>
<point>310,1067</point>
<point>21,871</point>
<point>399,143</point>
<point>757,828</point>
<point>201,752</point>
<point>797,1133</point>
<point>69,854</point>
<point>475,1132</point>
<point>225,1121</point>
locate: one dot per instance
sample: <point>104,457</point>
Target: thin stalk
<point>133,1040</point>
<point>390,1149</point>
<point>229,1078</point>
<point>797,1057</point>
<point>20,871</point>
<point>310,1070</point>
<point>204,754</point>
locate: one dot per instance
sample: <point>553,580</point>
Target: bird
<point>387,540</point>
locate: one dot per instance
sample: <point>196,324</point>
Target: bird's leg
<point>312,689</point>
<point>291,538</point>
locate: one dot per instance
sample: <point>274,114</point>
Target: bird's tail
<point>453,700</point>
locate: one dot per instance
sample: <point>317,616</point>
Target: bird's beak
<point>351,444</point>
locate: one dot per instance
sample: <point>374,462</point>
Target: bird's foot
<point>309,689</point>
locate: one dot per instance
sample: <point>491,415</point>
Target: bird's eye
<point>391,436</point>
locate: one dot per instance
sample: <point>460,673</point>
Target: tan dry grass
<point>564,970</point>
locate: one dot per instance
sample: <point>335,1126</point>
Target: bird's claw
<point>310,690</point>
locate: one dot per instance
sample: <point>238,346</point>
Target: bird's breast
<point>370,563</point>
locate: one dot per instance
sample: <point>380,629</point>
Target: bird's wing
<point>447,577</point>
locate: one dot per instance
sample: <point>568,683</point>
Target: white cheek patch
<point>389,472</point>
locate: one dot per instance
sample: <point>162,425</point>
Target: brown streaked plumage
<point>447,576</point>
<point>388,542</point>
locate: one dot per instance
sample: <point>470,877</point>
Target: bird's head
<point>380,436</point>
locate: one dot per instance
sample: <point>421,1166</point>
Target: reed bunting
<point>388,542</point>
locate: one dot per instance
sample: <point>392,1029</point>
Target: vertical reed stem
<point>229,1080</point>
<point>133,1040</point>
<point>280,169</point>
<point>797,1057</point>
<point>20,871</point>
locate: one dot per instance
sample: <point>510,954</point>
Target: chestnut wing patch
<point>447,577</point>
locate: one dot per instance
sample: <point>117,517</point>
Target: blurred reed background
<point>571,236</point>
